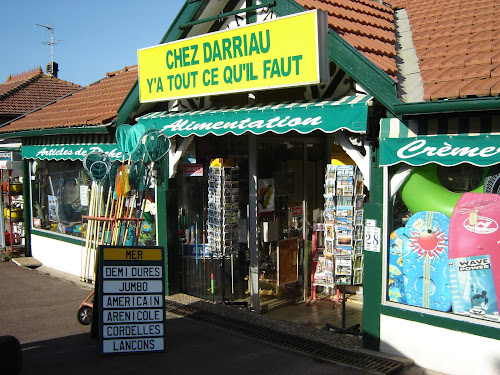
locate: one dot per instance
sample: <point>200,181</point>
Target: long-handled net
<point>153,145</point>
<point>143,149</point>
<point>97,165</point>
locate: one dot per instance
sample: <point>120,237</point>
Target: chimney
<point>52,69</point>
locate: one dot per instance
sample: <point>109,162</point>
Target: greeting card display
<point>223,207</point>
<point>343,216</point>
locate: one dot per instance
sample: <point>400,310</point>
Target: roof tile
<point>495,72</point>
<point>479,58</point>
<point>458,45</point>
<point>495,88</point>
<point>477,87</point>
<point>444,90</point>
<point>477,71</point>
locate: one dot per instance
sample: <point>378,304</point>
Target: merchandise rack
<point>223,209</point>
<point>12,213</point>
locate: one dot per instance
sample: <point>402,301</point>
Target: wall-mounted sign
<point>69,151</point>
<point>5,155</point>
<point>131,295</point>
<point>193,170</point>
<point>288,51</point>
<point>446,141</point>
<point>297,211</point>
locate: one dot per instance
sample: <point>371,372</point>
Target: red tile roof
<point>24,92</point>
<point>96,104</point>
<point>458,46</point>
<point>457,42</point>
<point>367,25</point>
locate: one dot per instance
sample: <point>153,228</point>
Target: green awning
<point>69,147</point>
<point>446,141</point>
<point>349,112</point>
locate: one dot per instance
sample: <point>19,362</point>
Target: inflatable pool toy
<point>475,235</point>
<point>492,181</point>
<point>425,261</point>
<point>423,191</point>
<point>396,284</point>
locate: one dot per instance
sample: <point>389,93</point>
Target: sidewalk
<point>187,338</point>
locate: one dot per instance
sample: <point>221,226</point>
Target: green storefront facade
<point>446,133</point>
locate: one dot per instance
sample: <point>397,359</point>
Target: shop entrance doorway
<point>255,246</point>
<point>212,195</point>
<point>290,173</point>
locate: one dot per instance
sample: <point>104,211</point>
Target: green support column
<point>372,282</point>
<point>27,208</point>
<point>166,217</point>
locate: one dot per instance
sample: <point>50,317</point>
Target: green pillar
<point>27,208</point>
<point>166,216</point>
<point>372,282</point>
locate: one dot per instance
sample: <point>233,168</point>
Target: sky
<point>95,37</point>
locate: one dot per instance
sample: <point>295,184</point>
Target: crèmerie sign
<point>288,51</point>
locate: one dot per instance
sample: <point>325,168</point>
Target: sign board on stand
<point>130,299</point>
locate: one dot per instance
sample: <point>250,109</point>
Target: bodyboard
<point>396,284</point>
<point>474,232</point>
<point>425,261</point>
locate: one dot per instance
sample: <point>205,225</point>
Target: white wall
<point>62,256</point>
<point>440,349</point>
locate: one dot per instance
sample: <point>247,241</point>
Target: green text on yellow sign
<point>288,51</point>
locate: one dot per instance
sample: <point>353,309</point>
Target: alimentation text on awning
<point>349,112</point>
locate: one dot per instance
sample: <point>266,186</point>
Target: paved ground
<point>40,311</point>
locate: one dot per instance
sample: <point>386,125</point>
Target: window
<point>61,196</point>
<point>443,245</point>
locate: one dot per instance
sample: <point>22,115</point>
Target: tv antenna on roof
<point>52,41</point>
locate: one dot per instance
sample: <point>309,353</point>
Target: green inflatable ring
<point>422,191</point>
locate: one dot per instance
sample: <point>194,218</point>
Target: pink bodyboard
<point>474,230</point>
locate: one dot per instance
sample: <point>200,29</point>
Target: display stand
<point>12,214</point>
<point>352,330</point>
<point>316,267</point>
<point>343,215</point>
<point>222,219</point>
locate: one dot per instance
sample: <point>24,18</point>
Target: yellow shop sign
<point>288,51</point>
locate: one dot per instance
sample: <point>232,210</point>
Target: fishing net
<point>156,144</point>
<point>113,170</point>
<point>97,165</point>
<point>127,137</point>
<point>137,175</point>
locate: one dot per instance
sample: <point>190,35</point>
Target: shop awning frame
<point>446,141</point>
<point>348,112</point>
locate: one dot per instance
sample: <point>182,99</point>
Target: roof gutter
<point>450,105</point>
<point>59,131</point>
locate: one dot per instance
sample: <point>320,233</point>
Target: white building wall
<point>440,349</point>
<point>62,256</point>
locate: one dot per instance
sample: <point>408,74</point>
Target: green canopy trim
<point>349,112</point>
<point>446,141</point>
